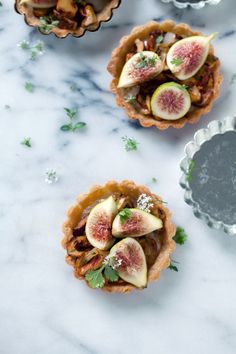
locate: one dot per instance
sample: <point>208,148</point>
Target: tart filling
<point>165,72</point>
<point>118,237</point>
<point>66,16</point>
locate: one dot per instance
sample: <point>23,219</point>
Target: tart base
<point>96,193</point>
<point>103,16</point>
<point>117,62</point>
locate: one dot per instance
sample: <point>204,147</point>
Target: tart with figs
<point>64,17</point>
<point>118,237</point>
<point>165,74</point>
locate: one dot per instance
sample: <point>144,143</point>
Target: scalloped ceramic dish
<point>209,174</point>
<point>104,15</point>
<point>195,4</point>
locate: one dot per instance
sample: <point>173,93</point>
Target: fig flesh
<point>139,68</point>
<point>39,4</point>
<point>137,224</point>
<point>99,224</point>
<point>170,101</point>
<point>188,55</point>
<point>130,262</point>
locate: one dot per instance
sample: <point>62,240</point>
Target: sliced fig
<point>188,55</point>
<point>137,223</point>
<point>170,101</point>
<point>130,261</point>
<point>39,4</point>
<point>140,68</point>
<point>99,224</point>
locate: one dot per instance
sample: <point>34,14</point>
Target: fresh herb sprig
<point>125,214</point>
<point>27,142</point>
<point>177,61</point>
<point>97,278</point>
<point>172,266</point>
<point>47,23</point>
<point>130,99</point>
<point>130,143</point>
<point>180,236</point>
<point>29,86</point>
<point>71,126</point>
<point>146,61</point>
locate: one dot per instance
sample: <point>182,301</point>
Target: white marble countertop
<point>43,308</point>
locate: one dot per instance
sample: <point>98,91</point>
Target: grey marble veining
<point>43,308</point>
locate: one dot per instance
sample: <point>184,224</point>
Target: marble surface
<point>43,308</point>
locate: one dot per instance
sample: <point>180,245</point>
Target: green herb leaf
<point>173,267</point>
<point>125,214</point>
<point>47,23</point>
<point>26,142</point>
<point>78,126</point>
<point>180,236</point>
<point>95,278</point>
<point>130,143</point>
<point>146,61</point>
<point>191,168</point>
<point>177,61</point>
<point>184,87</point>
<point>29,87</point>
<point>111,274</point>
<point>159,39</point>
<point>71,112</point>
<point>66,127</point>
<point>24,45</point>
<point>154,180</point>
<point>130,99</point>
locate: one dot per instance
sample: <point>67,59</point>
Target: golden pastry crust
<point>97,192</point>
<point>103,16</point>
<point>117,62</point>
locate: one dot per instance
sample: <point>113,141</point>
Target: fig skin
<point>186,57</point>
<point>132,74</point>
<point>131,262</point>
<point>39,4</point>
<point>177,101</point>
<point>99,224</point>
<point>138,224</point>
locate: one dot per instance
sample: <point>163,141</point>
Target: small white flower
<point>144,202</point>
<point>51,176</point>
<point>112,261</point>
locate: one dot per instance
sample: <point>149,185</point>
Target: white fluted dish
<point>196,5</point>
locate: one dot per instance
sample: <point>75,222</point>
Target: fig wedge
<point>140,68</point>
<point>130,261</point>
<point>188,55</point>
<point>39,4</point>
<point>170,101</point>
<point>136,224</point>
<point>99,224</point>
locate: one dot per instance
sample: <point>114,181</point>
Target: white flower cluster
<point>112,261</point>
<point>51,176</point>
<point>144,202</point>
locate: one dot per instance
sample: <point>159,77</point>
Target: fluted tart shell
<point>103,16</point>
<point>84,204</point>
<point>118,60</point>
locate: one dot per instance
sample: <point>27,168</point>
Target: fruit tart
<point>165,74</point>
<point>118,237</point>
<point>64,17</point>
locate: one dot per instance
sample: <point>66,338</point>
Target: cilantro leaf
<point>78,126</point>
<point>111,274</point>
<point>180,236</point>
<point>125,214</point>
<point>95,278</point>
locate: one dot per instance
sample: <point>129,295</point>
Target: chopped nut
<point>139,45</point>
<point>195,94</point>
